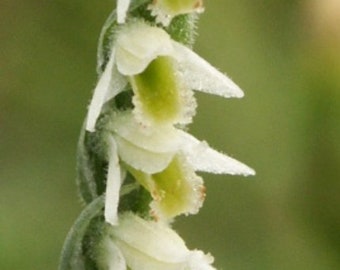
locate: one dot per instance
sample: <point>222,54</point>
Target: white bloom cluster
<point>162,73</point>
<point>148,141</point>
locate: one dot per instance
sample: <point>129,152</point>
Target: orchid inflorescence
<point>136,159</point>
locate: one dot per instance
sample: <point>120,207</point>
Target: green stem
<point>71,256</point>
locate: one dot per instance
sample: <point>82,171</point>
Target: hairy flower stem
<point>72,253</point>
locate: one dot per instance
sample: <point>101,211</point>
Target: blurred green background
<point>286,57</point>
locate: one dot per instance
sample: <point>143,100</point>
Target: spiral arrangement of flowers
<point>137,164</point>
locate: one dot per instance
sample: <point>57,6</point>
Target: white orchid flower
<point>162,73</point>
<point>165,10</point>
<point>137,143</point>
<point>138,244</point>
<point>163,160</point>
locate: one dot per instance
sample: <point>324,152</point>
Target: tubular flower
<point>163,160</point>
<point>162,73</point>
<point>139,244</point>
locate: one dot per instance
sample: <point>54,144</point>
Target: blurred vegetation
<point>284,54</point>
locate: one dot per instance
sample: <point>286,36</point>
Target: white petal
<point>109,85</point>
<point>122,8</point>
<point>153,245</point>
<point>154,239</point>
<point>113,185</point>
<point>205,159</point>
<point>138,44</point>
<point>200,261</point>
<point>111,258</point>
<point>143,160</point>
<point>159,139</point>
<point>137,260</point>
<point>201,76</point>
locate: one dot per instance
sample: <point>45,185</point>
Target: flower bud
<point>165,10</point>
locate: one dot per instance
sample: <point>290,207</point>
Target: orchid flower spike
<point>163,160</point>
<point>162,73</point>
<point>141,139</point>
<point>139,244</point>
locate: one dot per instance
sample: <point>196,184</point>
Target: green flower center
<point>157,91</point>
<point>175,190</point>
